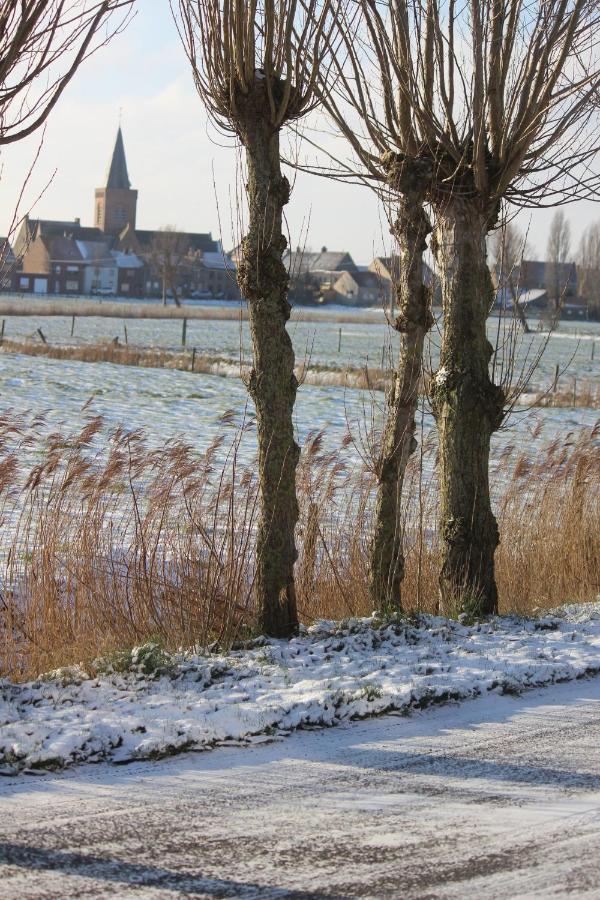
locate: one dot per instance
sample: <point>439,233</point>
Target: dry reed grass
<point>106,543</point>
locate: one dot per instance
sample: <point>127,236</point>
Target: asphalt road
<point>496,798</point>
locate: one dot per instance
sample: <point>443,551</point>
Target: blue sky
<point>185,172</point>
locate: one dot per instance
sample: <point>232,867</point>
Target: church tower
<point>116,203</point>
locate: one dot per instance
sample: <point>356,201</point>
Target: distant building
<point>558,279</point>
<point>387,268</point>
<point>313,275</point>
<point>299,262</point>
<point>100,273</point>
<point>538,286</point>
<point>358,288</point>
<point>202,268</point>
<point>114,256</point>
<point>51,261</point>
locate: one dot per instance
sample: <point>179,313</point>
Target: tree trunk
<point>468,408</point>
<point>263,281</point>
<point>398,441</point>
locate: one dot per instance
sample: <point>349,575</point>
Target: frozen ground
<point>494,799</point>
<point>146,704</point>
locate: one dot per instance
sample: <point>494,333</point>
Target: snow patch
<point>331,673</point>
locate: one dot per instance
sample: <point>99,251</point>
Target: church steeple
<point>116,203</point>
<point>117,172</point>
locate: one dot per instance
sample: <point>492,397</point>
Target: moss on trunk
<point>263,281</point>
<point>468,408</point>
<point>398,441</point>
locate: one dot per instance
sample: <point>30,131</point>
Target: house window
<point>72,286</point>
<point>24,284</point>
<point>57,269</point>
<point>125,287</point>
<point>98,214</point>
<point>72,268</point>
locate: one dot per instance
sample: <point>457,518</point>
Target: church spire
<point>116,202</point>
<point>117,172</point>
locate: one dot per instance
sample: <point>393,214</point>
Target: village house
<point>301,261</point>
<point>357,288</point>
<point>50,261</point>
<point>313,275</point>
<point>541,287</point>
<point>387,268</point>
<point>557,279</point>
<point>114,257</point>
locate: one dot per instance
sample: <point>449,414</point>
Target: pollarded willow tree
<point>500,98</point>
<point>370,106</point>
<point>42,44</point>
<point>255,66</point>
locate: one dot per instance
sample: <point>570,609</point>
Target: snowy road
<point>495,798</point>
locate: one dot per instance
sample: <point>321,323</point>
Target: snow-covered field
<point>156,704</point>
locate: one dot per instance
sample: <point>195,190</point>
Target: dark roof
<point>300,261</point>
<point>53,228</point>
<point>195,242</point>
<point>392,265</point>
<point>118,176</point>
<point>63,249</point>
<point>95,251</point>
<point>364,279</point>
<point>535,270</point>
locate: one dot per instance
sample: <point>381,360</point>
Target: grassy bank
<point>105,543</point>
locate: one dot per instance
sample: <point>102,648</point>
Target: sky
<point>186,173</point>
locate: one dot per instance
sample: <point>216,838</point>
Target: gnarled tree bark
<point>398,442</point>
<point>468,408</point>
<point>263,280</point>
